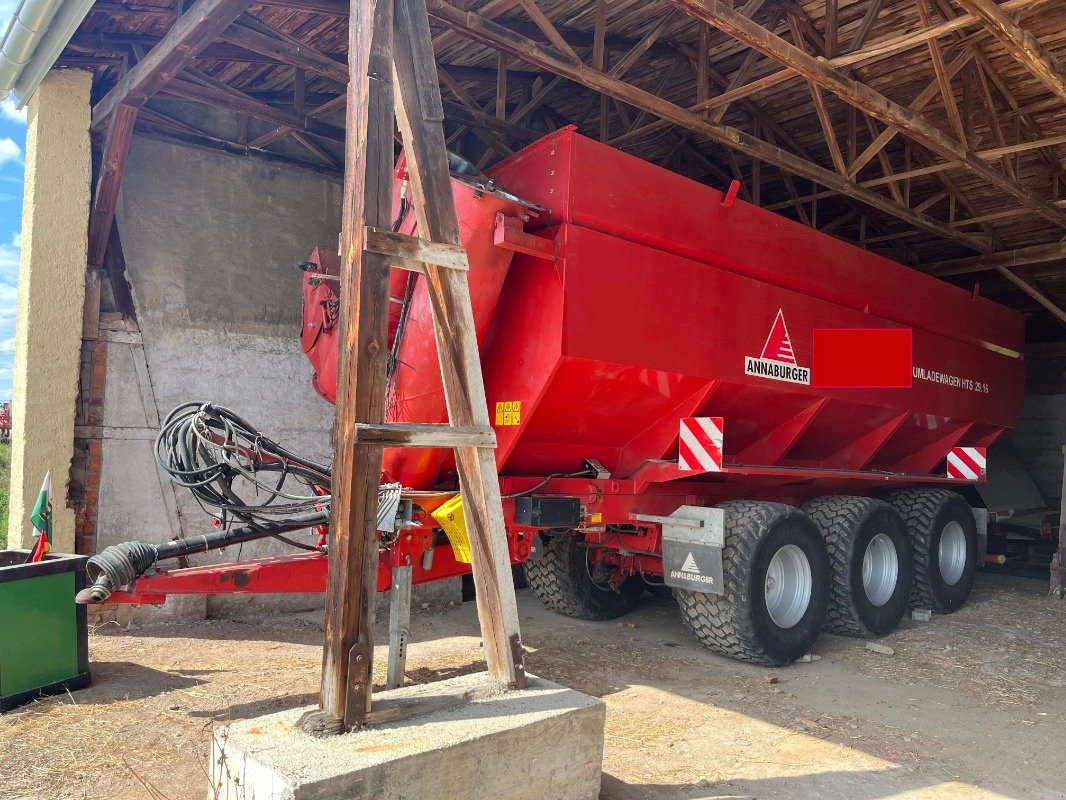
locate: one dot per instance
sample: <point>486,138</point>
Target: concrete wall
<point>211,244</point>
<point>1041,430</point>
<point>51,297</point>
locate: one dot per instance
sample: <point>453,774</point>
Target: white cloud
<point>9,150</point>
<point>10,112</point>
<point>9,267</point>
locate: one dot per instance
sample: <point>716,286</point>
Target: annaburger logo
<point>778,361</point>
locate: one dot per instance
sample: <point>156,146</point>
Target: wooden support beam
<point>913,125</point>
<point>947,93</point>
<point>501,86</point>
<point>1028,285</point>
<point>477,114</point>
<point>548,29</point>
<point>324,110</point>
<point>266,41</point>
<point>1009,259</point>
<point>195,29</point>
<point>640,48</point>
<point>347,657</point>
<point>116,148</point>
<point>153,127</point>
<point>464,387</point>
<point>1025,48</point>
<point>395,434</point>
<point>494,35</point>
<point>827,129</point>
<point>411,248</point>
<point>831,31</point>
<point>482,119</point>
<point>230,99</point>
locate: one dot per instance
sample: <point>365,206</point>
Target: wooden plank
<point>1025,48</point>
<point>495,35</point>
<point>403,434</point>
<point>412,248</point>
<point>911,124</point>
<point>464,386</point>
<point>195,29</point>
<point>363,329</point>
<point>116,148</point>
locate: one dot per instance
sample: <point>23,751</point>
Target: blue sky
<point>12,166</point>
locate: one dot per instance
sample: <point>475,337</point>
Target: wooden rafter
<point>195,29</point>
<point>498,37</point>
<point>116,148</point>
<point>875,51</point>
<point>1025,48</point>
<point>1009,259</point>
<point>913,125</point>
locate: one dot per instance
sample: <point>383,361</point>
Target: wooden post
<point>1058,574</point>
<point>420,117</point>
<point>347,657</point>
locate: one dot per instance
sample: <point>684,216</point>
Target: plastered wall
<point>211,244</point>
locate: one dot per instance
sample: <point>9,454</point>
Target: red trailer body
<point>618,299</point>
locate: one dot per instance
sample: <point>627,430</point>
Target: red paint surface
<point>861,358</point>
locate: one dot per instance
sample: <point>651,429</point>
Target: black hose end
<point>114,567</point>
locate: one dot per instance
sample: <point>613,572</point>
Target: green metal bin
<point>44,645</point>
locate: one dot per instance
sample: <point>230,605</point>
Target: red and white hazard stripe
<point>966,463</point>
<point>700,449</point>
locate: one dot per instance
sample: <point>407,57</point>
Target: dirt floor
<point>971,705</point>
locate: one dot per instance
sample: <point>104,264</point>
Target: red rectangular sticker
<point>861,358</point>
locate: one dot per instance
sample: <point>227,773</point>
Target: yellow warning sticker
<point>508,412</point>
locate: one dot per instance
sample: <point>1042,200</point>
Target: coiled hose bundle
<point>221,459</point>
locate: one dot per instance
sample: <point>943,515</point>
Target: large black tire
<point>738,624</point>
<point>561,580</point>
<point>849,525</point>
<point>928,513</point>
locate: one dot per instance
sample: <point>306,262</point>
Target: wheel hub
<point>787,586</point>
<point>880,569</point>
<point>952,553</point>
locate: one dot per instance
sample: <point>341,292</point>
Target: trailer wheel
<point>944,539</point>
<point>564,581</point>
<point>870,557</point>
<point>776,574</point>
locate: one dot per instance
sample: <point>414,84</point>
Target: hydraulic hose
<point>121,564</point>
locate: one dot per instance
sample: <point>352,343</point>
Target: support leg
<point>399,625</point>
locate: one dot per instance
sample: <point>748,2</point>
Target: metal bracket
<point>517,656</point>
<point>355,702</point>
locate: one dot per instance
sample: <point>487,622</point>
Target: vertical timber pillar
<point>1058,572</point>
<point>420,116</point>
<point>347,657</point>
<point>51,299</point>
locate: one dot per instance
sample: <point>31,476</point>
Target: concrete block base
<point>460,738</point>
